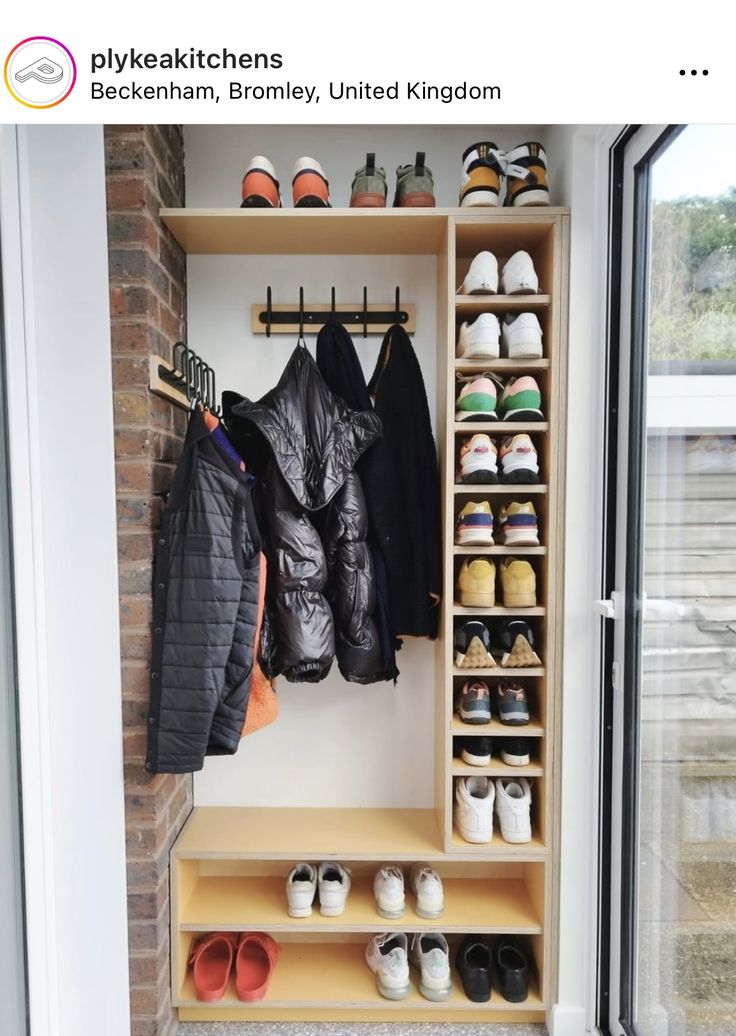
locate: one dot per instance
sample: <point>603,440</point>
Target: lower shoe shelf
<point>335,975</point>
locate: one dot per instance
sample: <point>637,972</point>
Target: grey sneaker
<point>369,187</point>
<point>414,185</point>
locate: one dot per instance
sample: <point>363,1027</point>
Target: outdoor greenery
<point>693,281</point>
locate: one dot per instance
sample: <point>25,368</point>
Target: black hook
<point>301,312</point>
<point>365,312</point>
<point>268,311</point>
<point>332,305</point>
<point>398,305</point>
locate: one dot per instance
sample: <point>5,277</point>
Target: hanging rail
<point>375,318</point>
<point>184,381</point>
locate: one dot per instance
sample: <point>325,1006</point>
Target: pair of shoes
<point>474,807</point>
<point>426,884</point>
<point>333,880</point>
<point>517,521</point>
<point>518,276</point>
<point>475,966</point>
<point>485,167</point>
<point>252,955</point>
<point>309,186</point>
<point>414,185</point>
<point>515,644</point>
<point>476,583</point>
<point>478,400</point>
<point>474,703</point>
<point>477,751</point>
<point>479,461</point>
<point>519,337</point>
<point>388,955</point>
<point>711,455</point>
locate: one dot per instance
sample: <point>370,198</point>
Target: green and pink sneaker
<point>477,401</point>
<point>521,400</point>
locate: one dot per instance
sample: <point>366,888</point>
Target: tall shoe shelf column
<point>228,866</point>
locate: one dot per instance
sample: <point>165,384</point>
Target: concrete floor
<point>354,1029</point>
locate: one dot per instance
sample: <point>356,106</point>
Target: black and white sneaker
<point>476,751</point>
<point>472,645</point>
<point>515,751</point>
<point>516,640</point>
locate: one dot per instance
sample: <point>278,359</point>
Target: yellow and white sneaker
<point>526,175</point>
<point>483,167</point>
<point>518,523</point>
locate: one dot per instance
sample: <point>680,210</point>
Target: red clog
<point>212,961</point>
<point>254,963</point>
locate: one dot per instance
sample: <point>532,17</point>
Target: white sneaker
<point>334,885</point>
<point>386,956</point>
<point>513,805</point>
<point>427,887</point>
<point>474,808</point>
<point>479,340</point>
<point>388,888</point>
<point>431,954</point>
<point>301,886</point>
<point>521,336</point>
<point>518,276</point>
<point>482,277</point>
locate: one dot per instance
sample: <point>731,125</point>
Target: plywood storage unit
<point>229,864</point>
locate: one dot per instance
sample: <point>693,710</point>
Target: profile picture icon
<point>40,72</point>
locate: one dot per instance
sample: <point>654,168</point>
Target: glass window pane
<point>686,932</point>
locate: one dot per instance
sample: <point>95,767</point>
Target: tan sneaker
<point>476,583</point>
<point>518,523</point>
<point>519,584</point>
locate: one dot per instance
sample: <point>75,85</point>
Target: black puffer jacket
<point>303,442</point>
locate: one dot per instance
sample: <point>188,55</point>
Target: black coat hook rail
<point>361,317</point>
<point>185,381</point>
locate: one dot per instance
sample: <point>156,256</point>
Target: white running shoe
<point>388,888</point>
<point>513,805</point>
<point>474,808</point>
<point>427,887</point>
<point>301,886</point>
<point>521,336</point>
<point>431,954</point>
<point>386,956</point>
<point>518,276</point>
<point>479,340</point>
<point>482,277</point>
<point>334,885</point>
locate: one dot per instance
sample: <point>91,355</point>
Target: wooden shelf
<point>495,728</point>
<point>484,303</point>
<point>499,671</point>
<point>459,609</point>
<point>471,905</point>
<point>512,366</point>
<point>533,850</point>
<point>235,832</point>
<point>496,768</point>
<point>507,489</point>
<point>500,427</point>
<point>335,975</point>
<point>509,551</point>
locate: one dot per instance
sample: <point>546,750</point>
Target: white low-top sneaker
<point>513,805</point>
<point>334,885</point>
<point>386,956</point>
<point>518,276</point>
<point>431,954</point>
<point>482,277</point>
<point>301,886</point>
<point>474,808</point>
<point>479,340</point>
<point>388,888</point>
<point>521,336</point>
<point>427,887</point>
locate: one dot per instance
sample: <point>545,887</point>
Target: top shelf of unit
<point>334,231</point>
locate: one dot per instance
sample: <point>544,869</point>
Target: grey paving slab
<point>355,1029</point>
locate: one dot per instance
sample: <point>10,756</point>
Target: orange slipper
<point>254,963</point>
<point>212,961</point>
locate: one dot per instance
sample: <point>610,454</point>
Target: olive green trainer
<point>414,185</point>
<point>369,188</point>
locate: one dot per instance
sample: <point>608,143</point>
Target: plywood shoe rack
<point>228,866</point>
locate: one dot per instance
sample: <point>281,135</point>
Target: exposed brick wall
<point>147,290</point>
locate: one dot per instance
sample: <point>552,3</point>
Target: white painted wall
<point>57,322</point>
